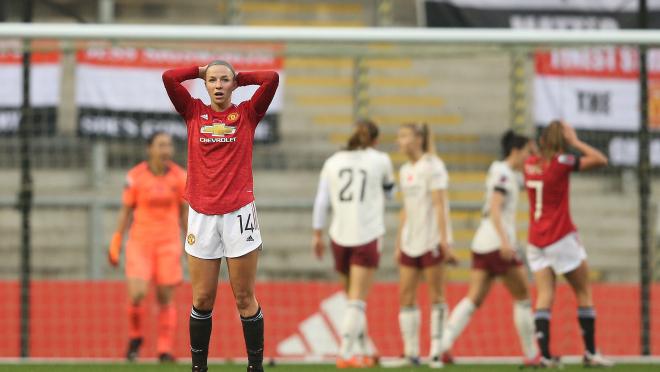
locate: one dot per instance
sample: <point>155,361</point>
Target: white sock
<point>523,318</point>
<point>350,327</point>
<point>409,323</point>
<point>438,316</point>
<point>458,319</point>
<point>364,343</point>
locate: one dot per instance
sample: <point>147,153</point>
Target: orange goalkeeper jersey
<point>156,202</point>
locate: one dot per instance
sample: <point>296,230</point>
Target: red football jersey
<point>220,143</point>
<point>548,192</point>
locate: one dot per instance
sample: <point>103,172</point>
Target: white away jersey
<point>420,231</point>
<point>501,178</point>
<point>356,182</point>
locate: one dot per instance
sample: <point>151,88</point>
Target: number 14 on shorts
<point>249,224</point>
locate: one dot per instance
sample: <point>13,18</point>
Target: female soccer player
<point>424,238</point>
<point>554,247</point>
<point>493,252</point>
<point>355,181</point>
<point>222,218</point>
<point>154,198</point>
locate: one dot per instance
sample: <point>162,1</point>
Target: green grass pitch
<point>121,367</point>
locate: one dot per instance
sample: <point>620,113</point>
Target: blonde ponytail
<point>552,140</point>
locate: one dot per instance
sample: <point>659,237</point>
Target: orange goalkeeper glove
<point>115,249</point>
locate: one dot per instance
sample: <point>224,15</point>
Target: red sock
<point>135,315</point>
<point>166,329</point>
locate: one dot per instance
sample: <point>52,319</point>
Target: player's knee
<point>544,300</point>
<point>244,299</point>
<point>137,297</point>
<point>476,299</point>
<point>204,300</point>
<point>406,299</point>
<point>436,297</point>
<point>583,297</point>
<point>476,294</point>
<point>520,293</point>
<point>164,299</point>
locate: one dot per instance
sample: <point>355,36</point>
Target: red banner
<point>604,62</point>
<point>262,58</point>
<point>80,319</point>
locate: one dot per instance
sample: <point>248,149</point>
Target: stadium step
<point>305,81</point>
<point>296,13</point>
<point>304,23</point>
<point>396,120</point>
<point>288,7</point>
<point>391,101</point>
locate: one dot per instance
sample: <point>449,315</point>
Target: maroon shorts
<point>366,255</point>
<point>428,259</point>
<point>493,263</point>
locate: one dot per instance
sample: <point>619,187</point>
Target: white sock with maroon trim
<point>438,316</point>
<point>351,326</point>
<point>458,319</point>
<point>523,318</point>
<point>364,343</point>
<point>409,318</point>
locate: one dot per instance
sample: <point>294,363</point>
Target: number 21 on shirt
<point>347,176</point>
<point>538,202</point>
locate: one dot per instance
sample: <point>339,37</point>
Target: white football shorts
<point>228,235</point>
<point>563,256</point>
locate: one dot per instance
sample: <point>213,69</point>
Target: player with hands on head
<point>153,197</point>
<point>354,182</point>
<point>424,239</point>
<point>554,246</point>
<point>223,220</point>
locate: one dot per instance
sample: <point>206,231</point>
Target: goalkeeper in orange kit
<point>154,197</point>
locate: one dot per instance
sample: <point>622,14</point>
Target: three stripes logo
<point>250,239</point>
<point>319,334</point>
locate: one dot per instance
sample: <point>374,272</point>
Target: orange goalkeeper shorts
<point>157,261</point>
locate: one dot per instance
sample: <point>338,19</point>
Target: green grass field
<point>281,368</point>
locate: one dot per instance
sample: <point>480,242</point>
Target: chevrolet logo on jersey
<point>218,130</point>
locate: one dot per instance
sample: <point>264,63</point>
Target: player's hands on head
<point>318,246</point>
<point>202,71</point>
<point>507,252</point>
<point>114,250</point>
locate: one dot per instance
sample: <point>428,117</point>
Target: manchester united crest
<point>232,117</point>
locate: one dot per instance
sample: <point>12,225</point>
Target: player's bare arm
<point>317,244</point>
<point>439,199</point>
<point>495,211</point>
<point>591,157</point>
<point>321,205</point>
<point>399,235</point>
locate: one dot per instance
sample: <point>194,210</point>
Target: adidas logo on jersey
<point>204,116</point>
<point>250,239</point>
